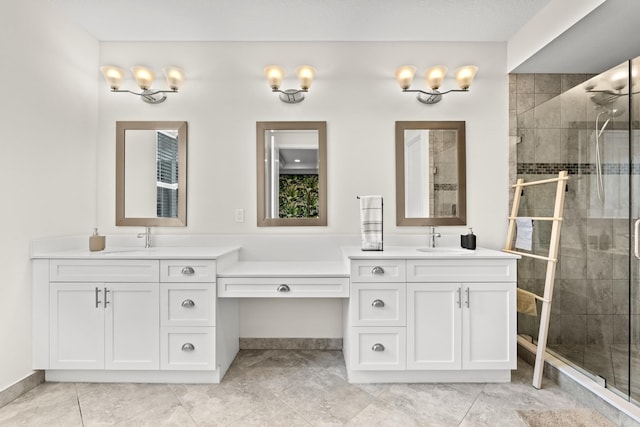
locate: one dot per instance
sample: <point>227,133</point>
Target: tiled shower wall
<point>590,301</point>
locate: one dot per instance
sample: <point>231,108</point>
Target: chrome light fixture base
<point>153,96</point>
<point>291,96</point>
<point>429,98</point>
<point>149,96</point>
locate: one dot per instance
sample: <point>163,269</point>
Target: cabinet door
<point>76,326</point>
<point>489,326</point>
<point>433,326</point>
<point>132,326</point>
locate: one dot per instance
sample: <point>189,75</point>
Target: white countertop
<point>408,252</point>
<point>161,252</point>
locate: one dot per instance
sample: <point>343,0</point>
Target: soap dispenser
<point>96,241</point>
<point>468,241</point>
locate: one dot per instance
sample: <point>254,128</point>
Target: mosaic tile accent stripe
<point>445,187</point>
<point>577,168</point>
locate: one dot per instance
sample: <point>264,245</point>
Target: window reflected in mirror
<point>430,173</point>
<point>151,173</point>
<point>291,173</point>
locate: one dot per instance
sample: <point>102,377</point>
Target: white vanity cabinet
<point>188,314</point>
<point>437,318</point>
<point>132,317</point>
<point>476,302</point>
<point>104,320</point>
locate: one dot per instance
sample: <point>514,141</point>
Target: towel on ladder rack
<point>527,303</point>
<point>524,233</point>
<point>371,222</point>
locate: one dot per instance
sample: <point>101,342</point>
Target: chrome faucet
<point>432,238</point>
<point>147,237</point>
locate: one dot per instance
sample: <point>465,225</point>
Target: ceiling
<point>301,20</point>
<point>599,41</point>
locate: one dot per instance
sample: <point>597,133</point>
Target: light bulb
<point>305,76</point>
<point>274,76</point>
<point>174,76</point>
<point>435,76</point>
<point>404,76</point>
<point>113,76</point>
<point>144,77</point>
<point>465,75</point>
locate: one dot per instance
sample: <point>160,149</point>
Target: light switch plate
<point>239,215</point>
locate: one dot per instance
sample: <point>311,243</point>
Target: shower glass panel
<point>590,130</point>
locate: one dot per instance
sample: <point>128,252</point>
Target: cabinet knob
<point>188,303</point>
<point>188,347</point>
<point>284,288</point>
<point>377,270</point>
<point>377,347</point>
<point>188,271</point>
<point>377,303</point>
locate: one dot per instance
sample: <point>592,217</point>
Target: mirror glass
<point>151,173</point>
<point>430,173</point>
<point>291,172</point>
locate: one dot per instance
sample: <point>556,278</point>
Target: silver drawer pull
<point>188,271</point>
<point>377,303</point>
<point>188,303</point>
<point>188,347</point>
<point>377,347</point>
<point>377,270</point>
<point>284,288</point>
<point>98,302</point>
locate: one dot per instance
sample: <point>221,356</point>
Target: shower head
<point>607,104</point>
<point>615,112</point>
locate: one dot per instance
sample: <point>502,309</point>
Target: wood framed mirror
<point>151,174</point>
<point>291,173</point>
<point>430,173</point>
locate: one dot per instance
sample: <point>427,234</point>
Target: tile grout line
<point>75,387</point>
<point>171,387</point>
<point>472,403</point>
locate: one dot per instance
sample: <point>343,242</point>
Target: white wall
<point>225,93</point>
<point>48,112</point>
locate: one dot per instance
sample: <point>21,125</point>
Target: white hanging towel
<point>524,233</point>
<point>371,222</point>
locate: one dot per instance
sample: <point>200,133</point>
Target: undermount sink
<point>444,251</point>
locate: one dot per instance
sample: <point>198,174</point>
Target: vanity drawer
<point>378,304</point>
<point>193,271</point>
<point>283,287</point>
<point>378,349</point>
<point>188,348</point>
<point>467,270</point>
<point>384,270</point>
<point>103,270</point>
<point>188,304</point>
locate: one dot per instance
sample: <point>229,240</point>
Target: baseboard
<point>582,387</point>
<point>290,343</point>
<point>22,386</point>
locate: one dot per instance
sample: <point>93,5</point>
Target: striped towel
<point>371,222</point>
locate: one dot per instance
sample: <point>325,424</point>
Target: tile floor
<point>285,388</point>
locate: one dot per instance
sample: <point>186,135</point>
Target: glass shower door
<point>634,232</point>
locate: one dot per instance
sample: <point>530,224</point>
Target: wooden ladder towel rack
<point>551,259</point>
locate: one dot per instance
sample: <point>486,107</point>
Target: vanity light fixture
<point>435,76</point>
<point>144,78</point>
<point>275,74</point>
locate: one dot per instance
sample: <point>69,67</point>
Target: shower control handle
<point>636,239</point>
